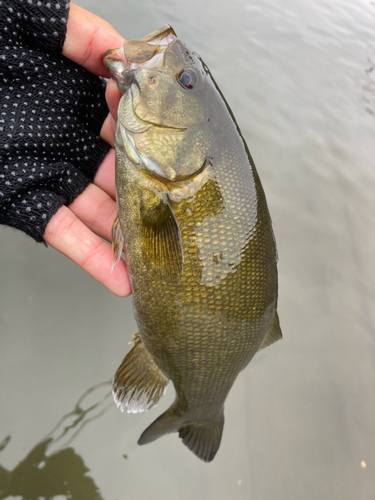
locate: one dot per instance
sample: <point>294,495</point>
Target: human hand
<point>75,230</point>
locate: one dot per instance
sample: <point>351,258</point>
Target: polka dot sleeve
<point>52,111</point>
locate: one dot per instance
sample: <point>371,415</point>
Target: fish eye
<point>187,78</point>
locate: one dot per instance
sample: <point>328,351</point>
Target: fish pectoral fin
<point>273,334</point>
<point>138,384</point>
<point>117,241</point>
<point>162,246</point>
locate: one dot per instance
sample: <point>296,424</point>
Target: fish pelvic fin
<point>273,335</point>
<point>202,438</point>
<point>117,241</point>
<point>138,384</point>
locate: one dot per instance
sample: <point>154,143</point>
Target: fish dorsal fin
<point>273,334</point>
<point>162,247</point>
<point>138,384</point>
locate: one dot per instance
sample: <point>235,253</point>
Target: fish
<point>197,237</point>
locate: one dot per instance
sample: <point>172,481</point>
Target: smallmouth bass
<point>198,241</point>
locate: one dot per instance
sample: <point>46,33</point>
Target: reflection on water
<point>39,476</point>
<point>52,468</point>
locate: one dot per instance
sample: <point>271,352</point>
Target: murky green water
<point>300,420</point>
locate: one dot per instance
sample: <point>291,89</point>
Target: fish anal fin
<point>138,384</point>
<point>273,334</point>
<point>117,241</point>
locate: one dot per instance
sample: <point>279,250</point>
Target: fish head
<point>164,115</point>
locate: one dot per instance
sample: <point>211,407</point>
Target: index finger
<point>69,235</point>
<point>88,37</point>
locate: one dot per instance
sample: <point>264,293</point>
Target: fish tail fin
<point>202,438</point>
<point>168,422</point>
<point>138,384</point>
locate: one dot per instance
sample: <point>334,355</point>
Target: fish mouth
<point>180,180</point>
<point>131,124</point>
<point>126,138</point>
<point>148,52</point>
<point>141,124</point>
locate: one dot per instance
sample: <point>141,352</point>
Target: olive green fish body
<point>198,243</point>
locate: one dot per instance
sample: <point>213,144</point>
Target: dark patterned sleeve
<point>52,111</point>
